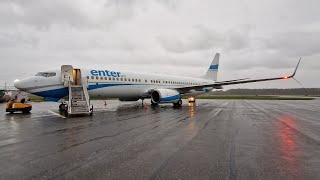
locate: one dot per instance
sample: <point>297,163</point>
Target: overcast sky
<point>255,38</point>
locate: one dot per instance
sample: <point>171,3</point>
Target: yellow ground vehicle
<point>15,107</point>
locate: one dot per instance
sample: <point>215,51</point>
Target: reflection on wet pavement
<point>212,139</point>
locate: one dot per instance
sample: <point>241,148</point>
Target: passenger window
<point>109,78</point>
<point>105,78</point>
<point>146,81</point>
<point>129,79</point>
<point>92,77</point>
<point>113,79</point>
<point>117,79</point>
<point>139,80</point>
<point>97,77</point>
<point>121,79</point>
<point>101,78</point>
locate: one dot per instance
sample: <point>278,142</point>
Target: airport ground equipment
<point>191,99</point>
<point>18,107</point>
<point>79,100</point>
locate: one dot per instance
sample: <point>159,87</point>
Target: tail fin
<point>212,73</point>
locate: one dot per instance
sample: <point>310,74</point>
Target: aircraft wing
<point>218,85</point>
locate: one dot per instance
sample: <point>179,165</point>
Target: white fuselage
<point>109,84</point>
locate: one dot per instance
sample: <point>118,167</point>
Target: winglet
<point>294,73</point>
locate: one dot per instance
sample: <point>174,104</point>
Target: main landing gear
<point>178,104</point>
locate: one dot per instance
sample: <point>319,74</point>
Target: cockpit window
<point>46,74</point>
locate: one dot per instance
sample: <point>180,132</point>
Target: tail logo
<point>214,67</point>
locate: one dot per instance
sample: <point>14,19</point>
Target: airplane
<point>129,86</point>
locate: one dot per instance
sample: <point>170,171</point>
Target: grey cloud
<point>200,38</point>
<point>159,36</point>
<point>8,40</point>
<point>84,14</point>
<point>295,43</point>
<point>238,39</point>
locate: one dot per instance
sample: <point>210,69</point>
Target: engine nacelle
<point>165,96</point>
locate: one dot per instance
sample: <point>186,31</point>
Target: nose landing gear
<point>63,109</point>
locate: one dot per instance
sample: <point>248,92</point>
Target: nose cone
<point>19,84</point>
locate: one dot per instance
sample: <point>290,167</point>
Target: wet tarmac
<point>213,139</point>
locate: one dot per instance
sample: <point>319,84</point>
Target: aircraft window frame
<point>46,74</point>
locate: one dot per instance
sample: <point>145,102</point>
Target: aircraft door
<point>76,76</point>
<point>66,74</point>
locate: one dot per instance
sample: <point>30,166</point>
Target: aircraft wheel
<point>66,114</point>
<point>178,104</point>
<point>91,111</point>
<point>26,111</point>
<point>62,107</point>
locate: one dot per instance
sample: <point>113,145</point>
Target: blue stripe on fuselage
<point>98,86</point>
<point>54,93</point>
<point>63,92</point>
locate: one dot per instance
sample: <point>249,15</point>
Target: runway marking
<point>56,114</point>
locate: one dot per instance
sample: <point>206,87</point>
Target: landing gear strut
<point>91,110</point>
<point>178,104</point>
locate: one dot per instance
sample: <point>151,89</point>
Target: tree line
<point>297,91</point>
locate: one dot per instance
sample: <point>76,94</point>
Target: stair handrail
<point>85,90</point>
<point>70,96</point>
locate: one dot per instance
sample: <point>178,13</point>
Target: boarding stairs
<point>79,100</point>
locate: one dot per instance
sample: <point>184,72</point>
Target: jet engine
<point>165,96</point>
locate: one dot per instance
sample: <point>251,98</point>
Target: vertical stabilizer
<point>212,73</point>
